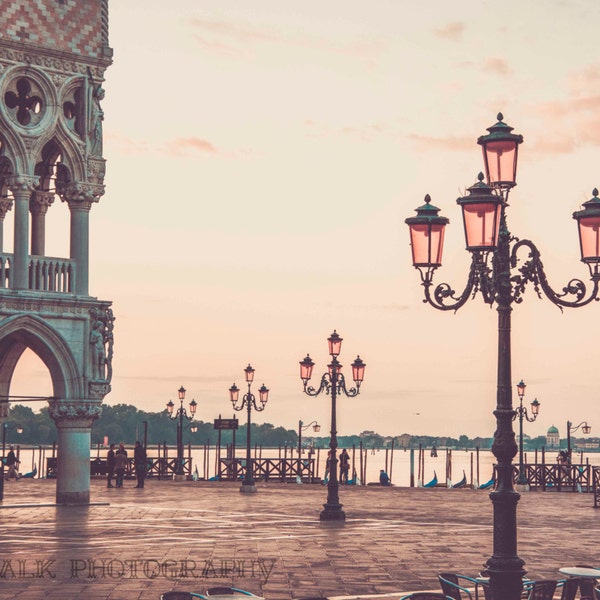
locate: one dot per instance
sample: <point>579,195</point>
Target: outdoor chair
<point>178,596</point>
<point>570,586</point>
<point>587,584</point>
<point>451,586</point>
<point>224,592</point>
<point>542,589</point>
<point>426,596</point>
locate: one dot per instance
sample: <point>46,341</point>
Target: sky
<point>261,159</point>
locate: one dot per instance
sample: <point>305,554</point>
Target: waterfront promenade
<point>137,543</point>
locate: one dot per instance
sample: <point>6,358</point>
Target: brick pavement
<point>136,544</point>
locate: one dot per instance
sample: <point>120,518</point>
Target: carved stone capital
<point>5,206</point>
<point>98,389</point>
<point>96,169</point>
<point>80,194</point>
<point>74,414</point>
<point>22,184</point>
<point>40,201</point>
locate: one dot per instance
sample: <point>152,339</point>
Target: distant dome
<point>552,429</point>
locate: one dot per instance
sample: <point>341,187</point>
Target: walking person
<point>344,466</point>
<point>110,466</point>
<point>140,461</point>
<point>120,464</point>
<point>11,463</point>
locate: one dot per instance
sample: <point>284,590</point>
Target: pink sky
<point>262,158</point>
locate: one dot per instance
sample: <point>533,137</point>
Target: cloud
<point>451,31</point>
<point>585,80</point>
<point>496,65</point>
<point>228,38</point>
<point>238,39</point>
<point>180,146</point>
<point>425,143</point>
<point>575,123</point>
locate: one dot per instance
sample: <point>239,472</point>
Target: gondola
<point>31,474</point>
<point>462,483</point>
<point>433,482</point>
<point>489,484</point>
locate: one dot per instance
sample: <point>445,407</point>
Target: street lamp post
<point>495,272</point>
<point>521,412</point>
<point>6,427</point>
<point>301,427</point>
<point>334,383</point>
<point>585,428</point>
<point>249,401</point>
<point>179,416</point>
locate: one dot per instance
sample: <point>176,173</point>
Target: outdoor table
<point>580,572</point>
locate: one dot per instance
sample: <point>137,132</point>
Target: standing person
<point>344,466</point>
<point>120,464</point>
<point>110,466</point>
<point>11,463</point>
<point>141,464</point>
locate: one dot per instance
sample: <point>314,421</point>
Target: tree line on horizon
<point>126,423</point>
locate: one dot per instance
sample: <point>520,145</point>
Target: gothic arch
<point>47,167</point>
<point>13,149</point>
<point>20,332</point>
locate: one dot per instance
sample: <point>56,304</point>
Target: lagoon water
<point>448,466</point>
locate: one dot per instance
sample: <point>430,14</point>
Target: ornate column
<point>38,207</point>
<point>74,420</point>
<point>80,197</point>
<point>21,187</point>
<point>5,206</point>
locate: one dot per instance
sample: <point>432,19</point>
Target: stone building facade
<point>53,56</point>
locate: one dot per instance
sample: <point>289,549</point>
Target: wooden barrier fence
<point>268,469</point>
<point>162,467</point>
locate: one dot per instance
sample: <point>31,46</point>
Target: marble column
<point>38,207</point>
<point>21,186</point>
<point>74,423</point>
<point>80,197</point>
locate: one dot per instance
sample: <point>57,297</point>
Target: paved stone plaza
<point>137,543</point>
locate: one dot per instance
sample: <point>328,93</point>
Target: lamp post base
<point>179,477</point>
<point>522,487</point>
<point>332,513</point>
<point>248,488</point>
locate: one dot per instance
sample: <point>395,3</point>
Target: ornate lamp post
<point>249,401</point>
<point>179,416</point>
<point>585,428</point>
<point>6,427</point>
<point>334,383</point>
<point>521,412</point>
<point>495,272</point>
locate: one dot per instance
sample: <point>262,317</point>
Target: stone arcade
<point>53,55</point>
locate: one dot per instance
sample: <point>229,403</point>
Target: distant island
<point>124,422</point>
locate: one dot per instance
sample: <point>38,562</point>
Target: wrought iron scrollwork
<point>532,271</point>
<point>326,386</point>
<point>499,279</point>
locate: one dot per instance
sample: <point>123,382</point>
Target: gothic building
<point>53,56</point>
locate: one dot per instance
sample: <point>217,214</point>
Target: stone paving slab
<point>137,543</point>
